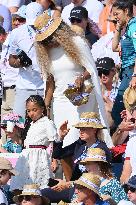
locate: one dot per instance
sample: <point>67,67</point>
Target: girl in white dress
<point>65,58</point>
<point>34,163</point>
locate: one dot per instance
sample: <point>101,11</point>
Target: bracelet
<point>134,75</point>
<point>48,107</point>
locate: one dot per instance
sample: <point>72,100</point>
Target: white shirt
<point>8,73</point>
<point>94,8</point>
<point>22,38</point>
<point>124,202</point>
<point>3,198</point>
<point>131,151</point>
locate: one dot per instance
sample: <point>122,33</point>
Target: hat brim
<point>14,172</point>
<point>79,182</point>
<point>51,29</point>
<point>92,125</point>
<point>92,160</point>
<point>46,201</point>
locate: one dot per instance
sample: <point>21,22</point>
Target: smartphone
<point>52,182</point>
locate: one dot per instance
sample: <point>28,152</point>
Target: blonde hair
<point>62,37</point>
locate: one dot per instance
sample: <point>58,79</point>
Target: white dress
<point>65,72</point>
<point>33,164</point>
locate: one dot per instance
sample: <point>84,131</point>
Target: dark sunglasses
<point>104,71</point>
<point>75,20</point>
<point>26,198</point>
<point>129,188</point>
<point>133,120</point>
<point>20,19</point>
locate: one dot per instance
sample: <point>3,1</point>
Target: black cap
<point>79,12</point>
<point>132,182</point>
<point>106,63</point>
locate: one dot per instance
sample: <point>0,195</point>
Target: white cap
<point>21,12</point>
<point>33,10</point>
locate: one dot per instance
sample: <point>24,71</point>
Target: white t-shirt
<point>124,202</point>
<point>22,38</point>
<point>12,3</point>
<point>8,73</point>
<point>3,198</point>
<point>94,8</point>
<point>130,152</point>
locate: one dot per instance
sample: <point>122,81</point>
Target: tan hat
<point>94,155</point>
<point>46,26</point>
<point>89,119</point>
<point>89,181</point>
<point>6,165</point>
<point>31,190</point>
<point>78,30</point>
<point>129,98</point>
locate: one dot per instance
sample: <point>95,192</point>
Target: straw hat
<point>31,190</point>
<point>46,26</point>
<point>89,119</point>
<point>129,98</point>
<point>89,181</point>
<point>6,165</point>
<point>78,30</point>
<point>94,155</point>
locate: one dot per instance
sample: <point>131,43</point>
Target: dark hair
<point>39,101</point>
<point>2,31</point>
<point>105,169</point>
<point>125,4</point>
<point>105,62</point>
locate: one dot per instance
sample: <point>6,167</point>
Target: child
<point>34,163</point>
<point>13,125</point>
<point>6,171</point>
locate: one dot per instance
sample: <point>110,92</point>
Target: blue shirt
<point>128,44</point>
<point>12,147</point>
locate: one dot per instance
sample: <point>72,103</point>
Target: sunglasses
<point>27,198</point>
<point>133,120</point>
<point>20,19</point>
<point>128,188</point>
<point>104,71</point>
<point>75,20</point>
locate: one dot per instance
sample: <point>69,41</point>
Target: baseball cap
<point>132,182</point>
<point>79,12</point>
<point>33,10</point>
<point>6,165</point>
<point>21,12</point>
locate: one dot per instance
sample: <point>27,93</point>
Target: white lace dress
<point>33,164</point>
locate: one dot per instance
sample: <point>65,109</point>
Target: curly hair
<point>61,37</point>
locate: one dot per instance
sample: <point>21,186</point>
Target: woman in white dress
<point>34,163</point>
<point>65,58</point>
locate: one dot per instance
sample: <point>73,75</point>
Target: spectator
<point>94,7</point>
<point>13,125</point>
<point>130,188</point>
<point>123,12</point>
<point>29,80</point>
<point>79,17</point>
<point>6,172</point>
<point>106,72</point>
<point>87,189</point>
<point>5,13</point>
<point>31,195</point>
<point>19,17</point>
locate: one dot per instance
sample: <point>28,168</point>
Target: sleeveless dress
<point>65,72</point>
<point>33,164</point>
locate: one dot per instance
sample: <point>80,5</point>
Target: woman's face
<point>107,79</point>
<point>92,167</point>
<point>33,201</point>
<point>34,111</point>
<point>120,15</point>
<point>132,196</point>
<point>5,175</point>
<point>44,3</point>
<point>87,132</point>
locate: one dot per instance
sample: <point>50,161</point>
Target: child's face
<point>5,175</point>
<point>34,111</point>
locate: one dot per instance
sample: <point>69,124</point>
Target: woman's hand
<point>61,185</point>
<point>63,130</point>
<point>54,165</point>
<point>79,82</point>
<point>126,126</point>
